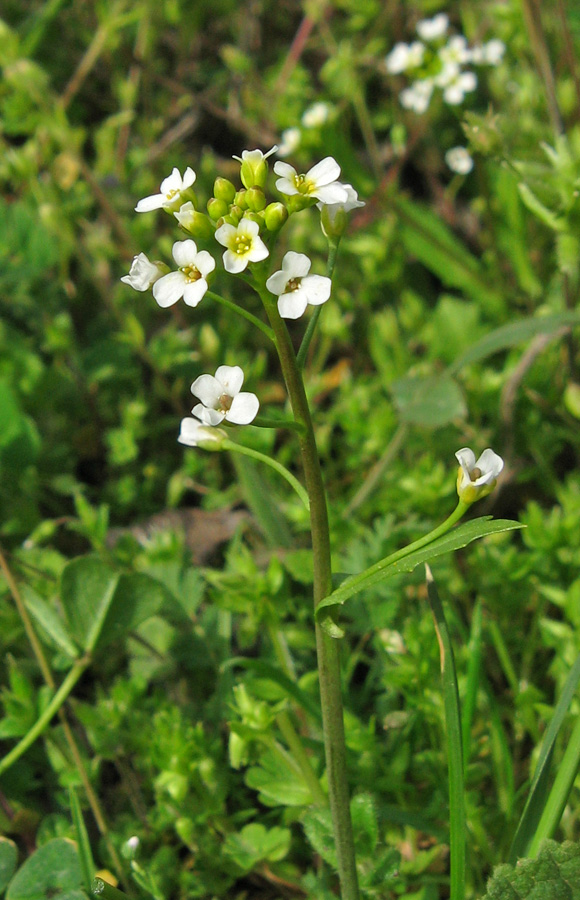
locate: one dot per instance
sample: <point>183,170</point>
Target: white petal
<point>208,389</point>
<point>258,251</point>
<point>194,292</point>
<point>248,226</point>
<point>331,193</point>
<point>277,282</point>
<point>188,178</point>
<point>292,305</point>
<point>285,186</point>
<point>154,201</point>
<point>184,252</point>
<point>189,432</point>
<point>317,289</point>
<point>225,234</point>
<point>169,289</point>
<point>284,169</point>
<point>232,379</point>
<point>173,182</point>
<point>490,464</point>
<point>295,265</point>
<point>244,409</point>
<point>324,172</point>
<point>208,416</point>
<point>205,262</point>
<point>233,263</point>
<point>466,459</point>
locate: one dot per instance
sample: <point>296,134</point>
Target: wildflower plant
<point>247,222</point>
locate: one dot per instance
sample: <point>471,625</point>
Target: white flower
<point>171,190</point>
<point>333,219</point>
<point>456,89</point>
<point>221,398</point>
<point>295,288</point>
<point>194,433</point>
<point>459,160</point>
<point>477,479</point>
<point>319,182</point>
<point>143,273</point>
<point>244,245</point>
<point>455,50</point>
<point>405,56</point>
<point>289,142</point>
<point>493,52</point>
<point>316,115</point>
<point>185,215</point>
<point>189,281</point>
<point>418,96</point>
<point>431,29</point>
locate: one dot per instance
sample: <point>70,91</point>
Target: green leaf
<point>364,824</point>
<point>278,782</point>
<point>512,334</point>
<point>317,824</point>
<point>267,670</point>
<point>430,401</point>
<point>553,875</point>
<point>48,620</point>
<point>255,843</point>
<point>52,873</point>
<point>137,597</point>
<point>83,842</point>
<point>535,205</point>
<point>453,540</point>
<point>8,860</point>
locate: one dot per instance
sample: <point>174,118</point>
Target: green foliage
<point>553,875</point>
<point>53,871</point>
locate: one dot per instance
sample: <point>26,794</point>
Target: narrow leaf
<point>83,843</point>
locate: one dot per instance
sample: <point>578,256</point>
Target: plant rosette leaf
<point>52,873</point>
<point>8,860</point>
<point>553,875</point>
<point>255,843</point>
<point>386,568</point>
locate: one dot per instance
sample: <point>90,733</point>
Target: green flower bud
<point>194,223</point>
<point>255,217</point>
<point>255,199</point>
<point>240,199</point>
<point>254,169</point>
<point>275,215</point>
<point>224,190</point>
<point>217,208</point>
<point>236,213</point>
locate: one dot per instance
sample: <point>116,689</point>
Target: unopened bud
<point>275,215</point>
<point>255,199</point>
<point>240,199</point>
<point>254,170</point>
<point>224,190</point>
<point>254,217</point>
<point>217,208</point>
<point>194,223</point>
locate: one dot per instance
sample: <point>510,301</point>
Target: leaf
<point>49,621</point>
<point>83,842</point>
<point>317,824</point>
<point>514,333</point>
<point>267,670</point>
<point>52,873</point>
<point>535,205</point>
<point>8,860</point>
<point>278,782</point>
<point>364,824</point>
<point>430,401</point>
<point>454,540</point>
<point>553,875</point>
<point>255,843</point>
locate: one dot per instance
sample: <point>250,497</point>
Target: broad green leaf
<point>136,597</point>
<point>553,875</point>
<point>87,588</point>
<point>52,873</point>
<point>430,401</point>
<point>48,620</point>
<point>255,843</point>
<point>278,782</point>
<point>8,860</point>
<point>455,539</point>
<point>512,334</point>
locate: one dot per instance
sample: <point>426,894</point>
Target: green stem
<point>229,304</point>
<point>50,711</point>
<point>327,647</point>
<point>567,771</point>
<point>309,333</point>
<point>274,464</point>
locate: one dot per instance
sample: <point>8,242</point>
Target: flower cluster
<point>313,117</point>
<point>437,61</point>
<point>246,225</point>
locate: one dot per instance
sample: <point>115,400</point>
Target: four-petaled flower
<point>319,182</point>
<point>295,288</point>
<point>244,245</point>
<point>333,215</point>
<point>143,273</point>
<point>431,29</point>
<point>171,190</point>
<point>189,281</point>
<point>221,398</point>
<point>476,479</point>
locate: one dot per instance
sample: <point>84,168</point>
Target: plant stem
<point>229,304</point>
<point>327,647</point>
<point>274,464</point>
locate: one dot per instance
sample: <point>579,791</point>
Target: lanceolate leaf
<point>387,568</point>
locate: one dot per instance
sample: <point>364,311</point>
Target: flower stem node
<point>223,189</point>
<point>217,208</point>
<point>275,215</point>
<point>194,433</point>
<point>222,398</point>
<point>477,479</point>
<point>144,273</point>
<point>296,289</point>
<point>254,170</point>
<point>194,223</point>
<point>243,244</point>
<point>174,191</point>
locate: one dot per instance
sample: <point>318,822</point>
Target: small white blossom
<point>418,96</point>
<point>319,182</point>
<point>194,433</point>
<point>476,479</point>
<point>221,398</point>
<point>143,273</point>
<point>289,142</point>
<point>189,281</point>
<point>316,115</point>
<point>244,245</point>
<point>185,215</point>
<point>493,52</point>
<point>255,157</point>
<point>170,192</point>
<point>462,84</point>
<point>459,160</point>
<point>333,214</point>
<point>431,29</point>
<point>455,50</point>
<point>405,56</point>
<point>295,288</point>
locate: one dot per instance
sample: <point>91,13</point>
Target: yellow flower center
<point>225,403</point>
<point>292,285</point>
<point>303,186</point>
<point>172,194</point>
<point>191,273</point>
<point>242,244</point>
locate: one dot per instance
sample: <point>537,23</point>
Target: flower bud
<point>255,199</point>
<point>254,170</point>
<point>240,199</point>
<point>275,215</point>
<point>224,190</point>
<point>254,217</point>
<point>217,208</point>
<point>236,213</point>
